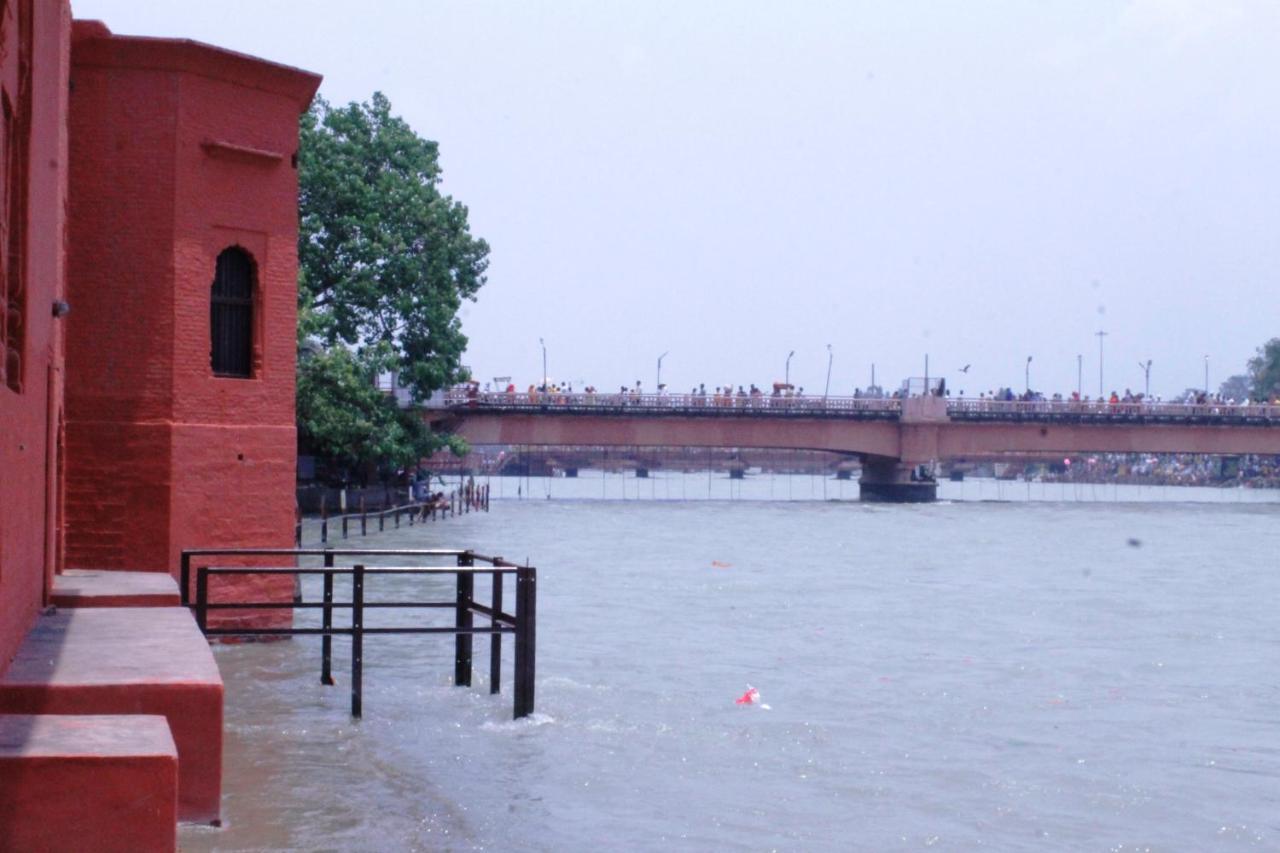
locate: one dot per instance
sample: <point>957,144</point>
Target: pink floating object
<point>751,697</point>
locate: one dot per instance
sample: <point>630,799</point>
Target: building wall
<point>33,178</point>
<point>120,334</point>
<point>237,186</point>
<point>163,454</point>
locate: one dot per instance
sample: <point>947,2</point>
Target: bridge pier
<point>893,481</point>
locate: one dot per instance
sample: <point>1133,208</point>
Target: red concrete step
<point>103,783</point>
<point>129,660</point>
<point>103,588</point>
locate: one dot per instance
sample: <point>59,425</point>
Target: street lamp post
<point>544,363</point>
<point>1146,372</point>
<point>658,384</point>
<point>786,379</point>
<point>1028,376</point>
<point>830,357</point>
<point>1101,335</point>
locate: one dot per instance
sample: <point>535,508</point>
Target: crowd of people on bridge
<point>786,396</point>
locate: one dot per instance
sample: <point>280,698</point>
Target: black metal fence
<point>456,502</point>
<point>521,624</point>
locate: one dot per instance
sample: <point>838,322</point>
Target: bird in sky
<point>965,369</point>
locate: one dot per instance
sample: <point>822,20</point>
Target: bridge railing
<point>708,404</point>
<point>983,409</point>
<point>857,407</point>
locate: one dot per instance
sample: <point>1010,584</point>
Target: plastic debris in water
<point>751,697</point>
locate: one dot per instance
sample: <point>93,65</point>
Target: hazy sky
<point>730,181</point>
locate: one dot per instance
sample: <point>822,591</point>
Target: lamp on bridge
<point>1028,377</point>
<point>544,363</point>
<point>830,357</point>
<point>1101,334</point>
<point>658,384</point>
<point>787,373</point>
<point>1146,370</point>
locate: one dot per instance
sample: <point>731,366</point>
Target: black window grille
<point>231,317</point>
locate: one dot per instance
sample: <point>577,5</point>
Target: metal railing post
<point>202,598</point>
<point>526,635</point>
<point>462,620</point>
<point>324,530</point>
<point>344,527</point>
<point>357,640</point>
<point>495,639</point>
<point>184,578</point>
<point>326,639</point>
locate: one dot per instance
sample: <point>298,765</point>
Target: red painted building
<point>148,228</point>
<point>151,185</point>
<point>182,230</point>
<point>34,68</point>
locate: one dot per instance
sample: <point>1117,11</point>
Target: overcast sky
<point>730,181</point>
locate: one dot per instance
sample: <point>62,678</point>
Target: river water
<point>1013,668</point>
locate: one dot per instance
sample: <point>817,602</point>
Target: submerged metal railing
<point>457,502</point>
<point>522,624</point>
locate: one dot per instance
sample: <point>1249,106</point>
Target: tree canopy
<point>385,261</point>
<point>1264,371</point>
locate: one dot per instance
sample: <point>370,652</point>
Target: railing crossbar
<point>347,632</point>
<point>380,570</point>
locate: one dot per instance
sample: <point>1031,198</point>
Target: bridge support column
<point>892,481</point>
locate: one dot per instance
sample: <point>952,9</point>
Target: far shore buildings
<point>148,227</point>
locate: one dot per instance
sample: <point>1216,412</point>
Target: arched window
<point>231,314</point>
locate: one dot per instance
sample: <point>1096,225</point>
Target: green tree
<point>345,418</point>
<point>1264,371</point>
<point>384,257</point>
<point>385,261</point>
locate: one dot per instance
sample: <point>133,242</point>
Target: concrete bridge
<point>898,440</point>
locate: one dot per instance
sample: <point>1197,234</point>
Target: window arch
<point>231,314</point>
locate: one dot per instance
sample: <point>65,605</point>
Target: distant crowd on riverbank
<point>1174,469</point>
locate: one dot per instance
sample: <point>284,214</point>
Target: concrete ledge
<point>130,660</point>
<point>102,588</point>
<point>106,783</point>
